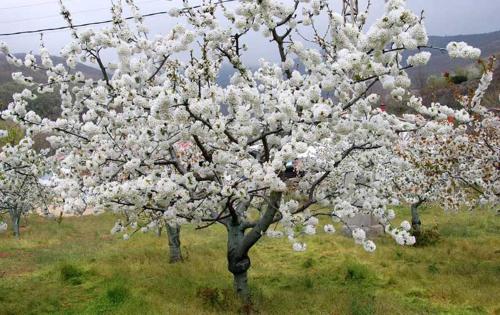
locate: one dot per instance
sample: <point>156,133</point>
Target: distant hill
<point>46,105</point>
<point>489,43</point>
<point>443,92</point>
<point>6,69</point>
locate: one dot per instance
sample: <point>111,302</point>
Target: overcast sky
<point>443,17</point>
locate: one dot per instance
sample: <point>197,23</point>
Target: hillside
<point>46,105</point>
<point>489,43</point>
<point>6,69</point>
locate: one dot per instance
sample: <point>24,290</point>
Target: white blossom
<point>329,229</point>
<point>299,247</point>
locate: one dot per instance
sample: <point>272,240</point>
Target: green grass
<point>77,267</point>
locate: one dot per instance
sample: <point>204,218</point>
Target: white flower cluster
<point>329,229</point>
<point>401,236</point>
<point>117,228</point>
<point>299,247</point>
<point>21,189</point>
<point>462,50</point>
<point>359,236</point>
<point>158,138</point>
<point>419,59</point>
<point>274,234</point>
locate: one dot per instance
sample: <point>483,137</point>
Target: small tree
<point>455,162</point>
<point>20,189</point>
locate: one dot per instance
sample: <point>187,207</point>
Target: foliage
<point>214,297</point>
<point>457,79</point>
<point>117,294</point>
<point>45,105</point>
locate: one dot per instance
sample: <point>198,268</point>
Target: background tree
<point>455,163</point>
<point>21,191</point>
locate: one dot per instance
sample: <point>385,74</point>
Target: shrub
<point>362,303</point>
<point>457,79</point>
<point>433,268</point>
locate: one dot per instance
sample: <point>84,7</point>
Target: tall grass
<point>77,267</point>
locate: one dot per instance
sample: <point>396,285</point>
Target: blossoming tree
<point>454,163</point>
<point>21,191</point>
<point>120,135</point>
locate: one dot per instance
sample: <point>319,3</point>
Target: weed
<point>432,268</point>
<point>428,236</point>
<point>71,274</point>
<point>308,263</point>
<point>358,273</point>
<point>117,294</point>
<point>213,297</point>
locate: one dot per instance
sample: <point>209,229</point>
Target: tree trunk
<point>415,218</point>
<point>174,243</point>
<point>16,220</point>
<point>238,262</point>
<point>240,282</point>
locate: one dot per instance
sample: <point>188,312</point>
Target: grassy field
<point>77,267</point>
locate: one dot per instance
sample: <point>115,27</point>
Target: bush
<point>362,303</point>
<point>14,133</point>
<point>433,268</point>
<point>457,79</point>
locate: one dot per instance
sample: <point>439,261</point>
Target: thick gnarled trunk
<point>174,243</point>
<point>240,282</point>
<point>239,243</point>
<point>415,218</point>
<point>16,221</point>
<point>238,261</point>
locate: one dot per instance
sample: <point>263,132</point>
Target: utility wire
<point>102,22</point>
<point>77,25</point>
<point>58,15</point>
<point>31,5</point>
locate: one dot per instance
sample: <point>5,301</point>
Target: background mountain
<point>489,43</point>
<point>428,81</point>
<point>46,105</point>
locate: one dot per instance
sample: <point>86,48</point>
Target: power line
<point>100,22</point>
<point>77,25</point>
<point>58,15</point>
<point>30,5</point>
